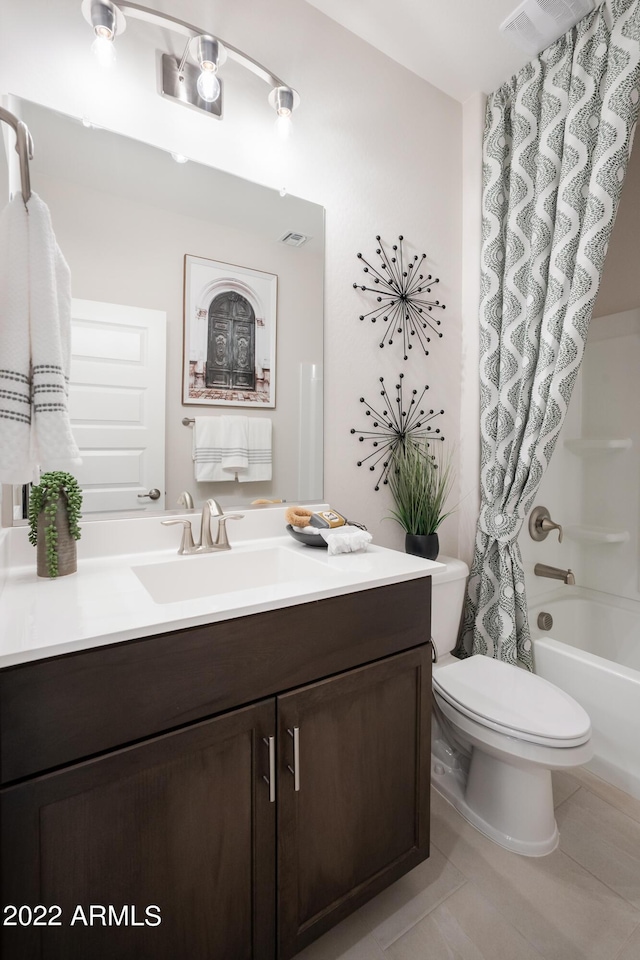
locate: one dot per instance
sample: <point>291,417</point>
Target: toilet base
<point>511,805</point>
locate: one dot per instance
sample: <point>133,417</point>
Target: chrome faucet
<point>186,544</point>
<point>206,544</point>
<point>211,508</point>
<point>555,573</point>
<point>185,500</point>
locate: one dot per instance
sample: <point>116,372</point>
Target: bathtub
<point>593,653</point>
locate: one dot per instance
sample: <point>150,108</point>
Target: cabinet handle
<point>295,769</point>
<point>271,779</point>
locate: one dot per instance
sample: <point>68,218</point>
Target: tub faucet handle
<point>547,524</point>
<point>541,524</point>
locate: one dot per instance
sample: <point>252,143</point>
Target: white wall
<point>377,146</point>
<point>473,113</point>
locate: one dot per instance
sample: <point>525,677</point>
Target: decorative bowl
<point>309,539</point>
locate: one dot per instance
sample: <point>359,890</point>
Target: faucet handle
<point>547,524</point>
<point>540,524</point>
<point>186,544</point>
<point>222,540</point>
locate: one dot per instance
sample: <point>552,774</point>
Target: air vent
<point>293,239</point>
<point>537,23</point>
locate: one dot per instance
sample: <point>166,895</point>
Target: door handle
<point>153,494</point>
<point>295,769</point>
<point>271,779</point>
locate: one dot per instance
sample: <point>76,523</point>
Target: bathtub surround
<point>552,183</point>
<point>592,653</point>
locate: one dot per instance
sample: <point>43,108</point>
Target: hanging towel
<point>219,447</point>
<point>35,346</point>
<point>15,348</point>
<point>53,445</point>
<point>260,457</point>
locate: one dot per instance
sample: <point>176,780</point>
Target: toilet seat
<point>513,702</point>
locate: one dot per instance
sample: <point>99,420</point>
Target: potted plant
<point>420,485</point>
<point>54,514</point>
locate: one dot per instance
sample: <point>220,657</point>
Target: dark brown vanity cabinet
<point>359,817</point>
<point>181,823</point>
<point>191,825</point>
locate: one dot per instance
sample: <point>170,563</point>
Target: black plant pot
<point>422,545</point>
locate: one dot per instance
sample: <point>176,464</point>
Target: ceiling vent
<point>293,239</point>
<point>537,23</point>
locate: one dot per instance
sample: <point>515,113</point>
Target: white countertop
<point>105,602</point>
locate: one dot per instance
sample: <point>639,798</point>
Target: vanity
<point>223,776</point>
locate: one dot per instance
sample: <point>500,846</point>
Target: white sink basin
<point>207,575</point>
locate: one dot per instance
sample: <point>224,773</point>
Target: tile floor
<point>472,900</point>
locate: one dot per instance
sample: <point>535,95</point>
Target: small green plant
<point>420,485</point>
<point>45,497</point>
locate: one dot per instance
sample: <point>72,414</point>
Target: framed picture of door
<point>229,334</point>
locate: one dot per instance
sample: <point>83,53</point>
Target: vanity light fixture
<point>194,86</point>
<point>284,100</point>
<point>209,55</point>
<point>107,22</point>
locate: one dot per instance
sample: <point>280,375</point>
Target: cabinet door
<point>360,816</point>
<point>183,822</point>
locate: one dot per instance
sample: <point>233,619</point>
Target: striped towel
<point>259,447</point>
<point>220,448</point>
<point>35,346</point>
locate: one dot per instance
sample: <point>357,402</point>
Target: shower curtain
<point>556,146</point>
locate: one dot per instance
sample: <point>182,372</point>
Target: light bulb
<point>284,125</point>
<point>208,86</point>
<point>104,51</point>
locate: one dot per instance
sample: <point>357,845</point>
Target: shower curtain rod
<point>24,149</point>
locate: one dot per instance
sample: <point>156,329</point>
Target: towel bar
<point>24,149</point>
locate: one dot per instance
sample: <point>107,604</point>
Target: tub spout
<point>555,573</point>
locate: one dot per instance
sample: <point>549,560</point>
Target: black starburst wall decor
<point>402,292</point>
<point>395,425</point>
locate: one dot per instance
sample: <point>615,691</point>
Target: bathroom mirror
<point>126,215</point>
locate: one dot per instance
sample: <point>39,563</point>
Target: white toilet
<point>497,733</point>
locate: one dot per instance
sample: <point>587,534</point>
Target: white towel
<point>219,447</point>
<point>260,456</point>
<point>35,346</point>
<point>15,348</point>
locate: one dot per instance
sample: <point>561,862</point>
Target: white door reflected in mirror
<point>117,404</point>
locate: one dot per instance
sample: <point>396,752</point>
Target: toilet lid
<point>507,698</point>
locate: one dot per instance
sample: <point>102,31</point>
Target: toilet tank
<point>448,586</point>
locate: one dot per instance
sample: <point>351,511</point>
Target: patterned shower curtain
<point>556,146</point>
